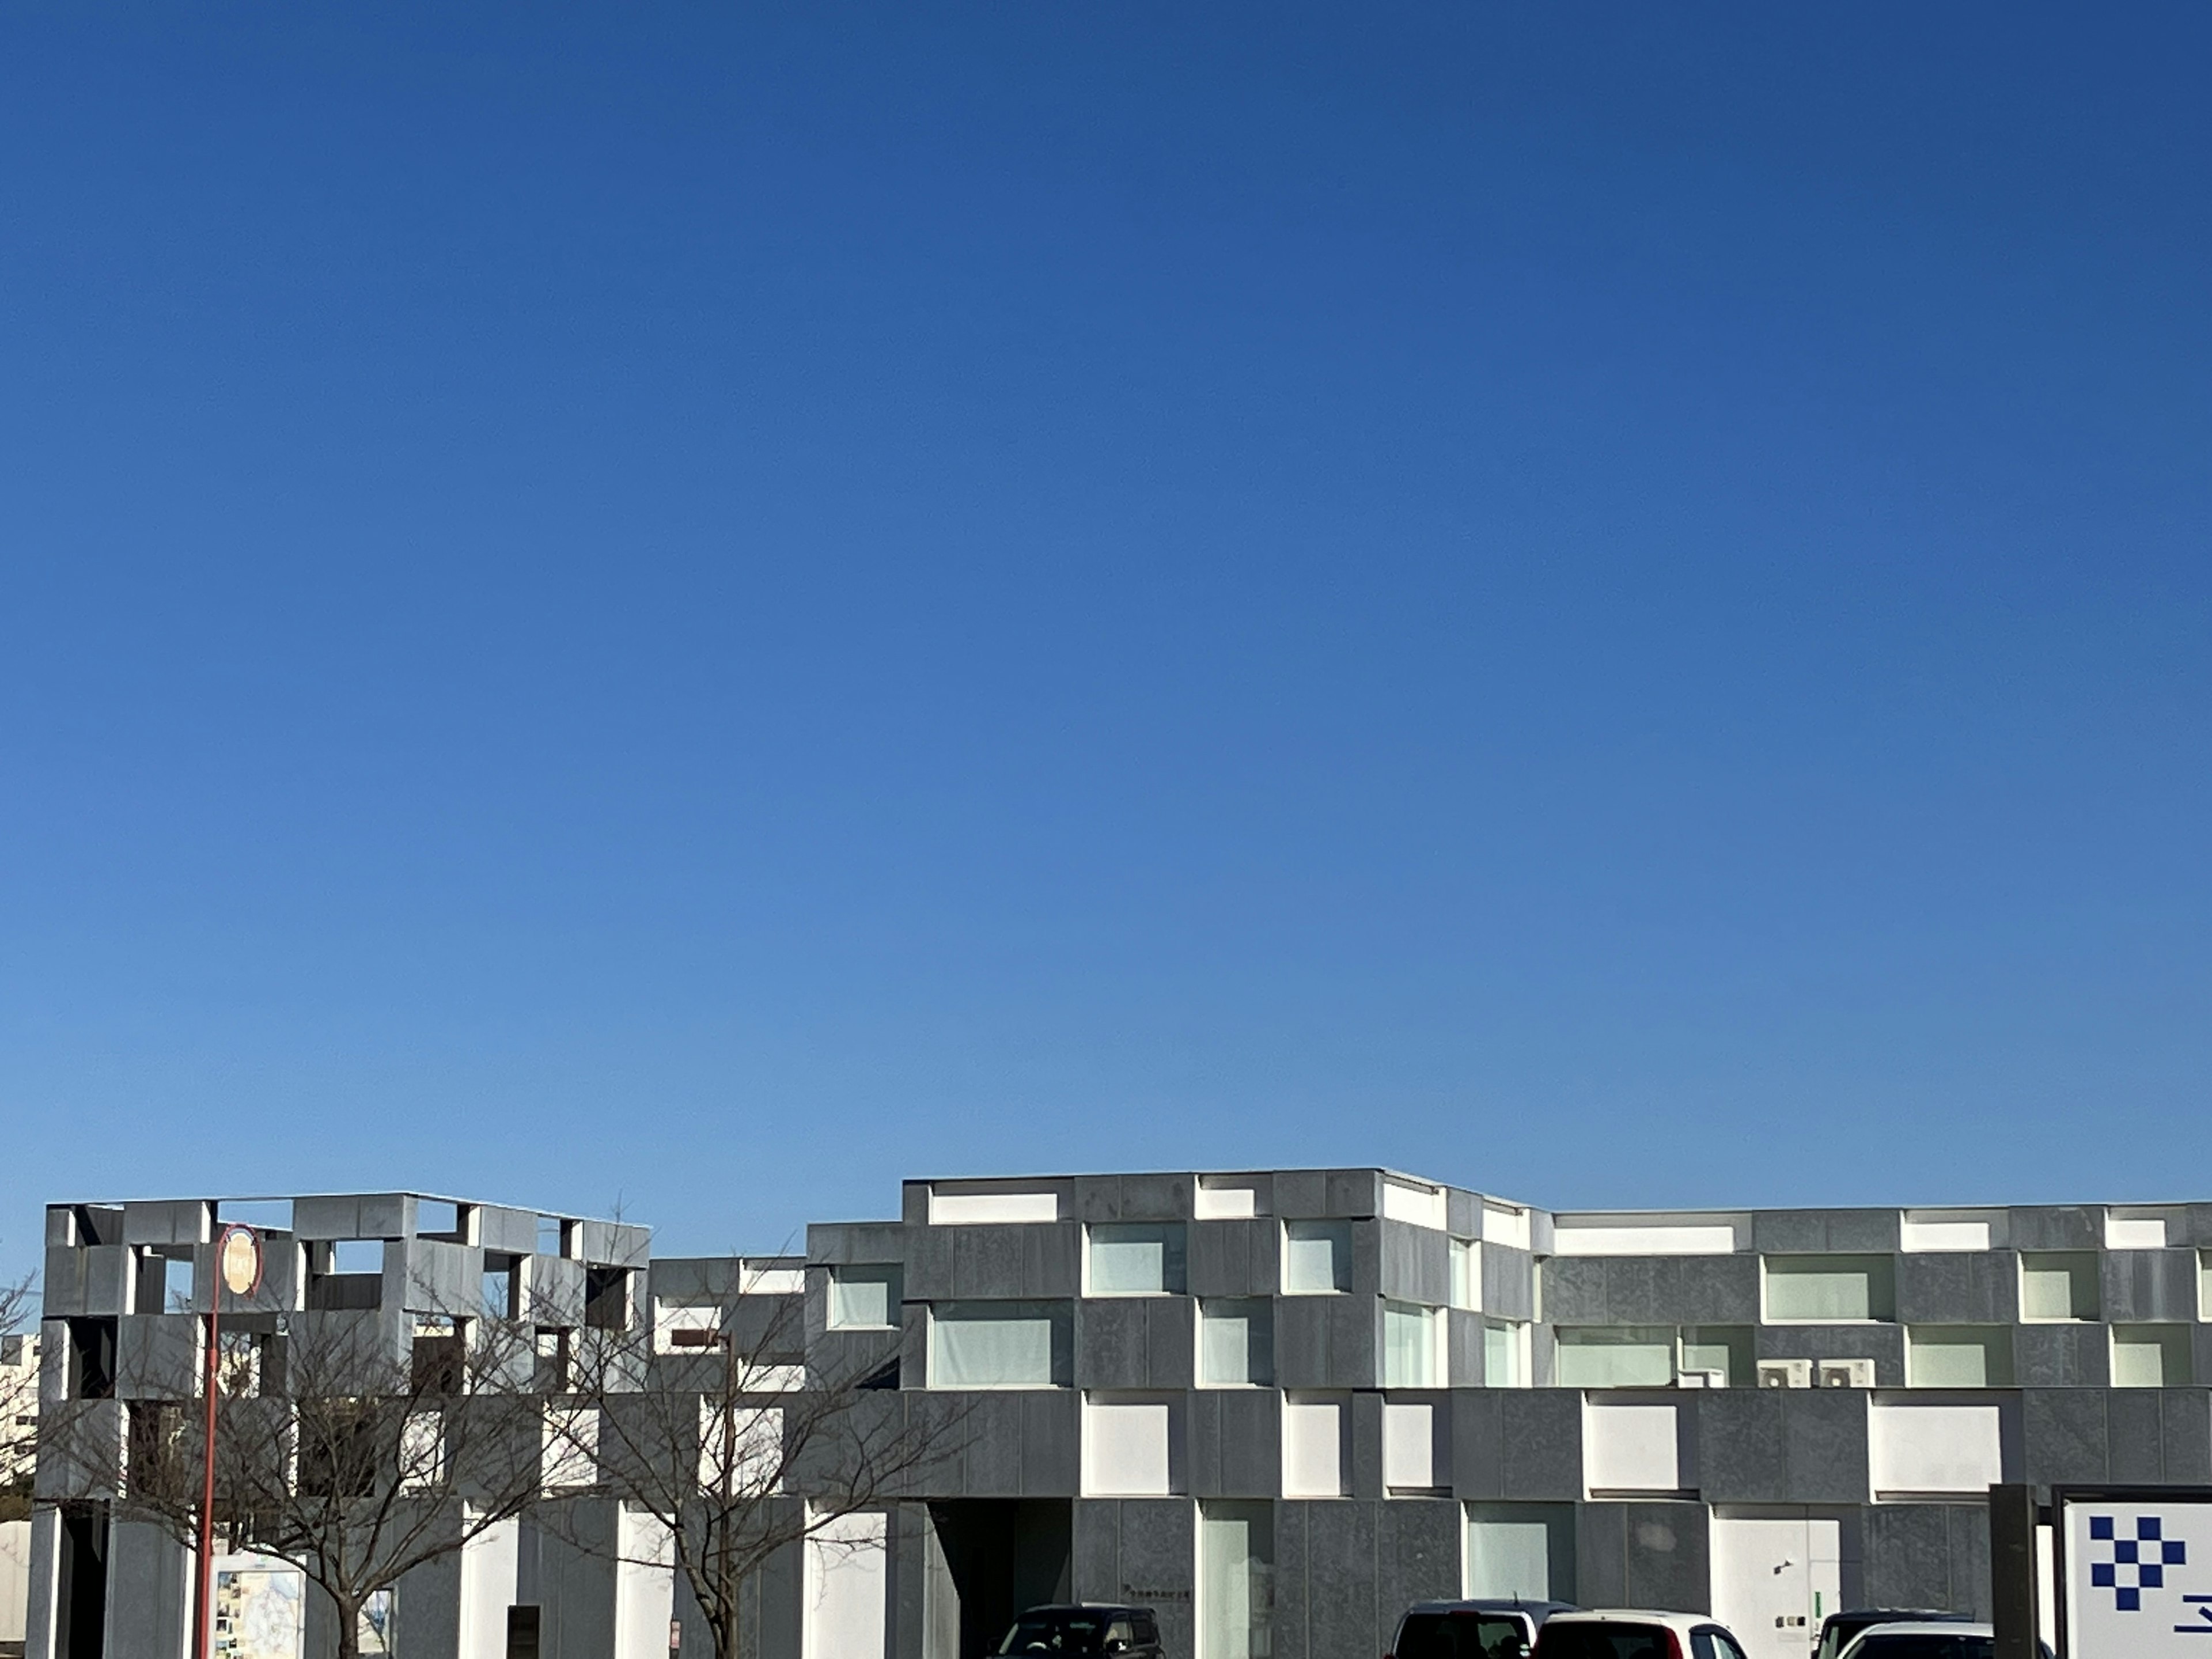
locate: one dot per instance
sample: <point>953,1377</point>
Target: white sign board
<point>2135,1573</point>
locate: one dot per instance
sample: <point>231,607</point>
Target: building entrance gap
<point>989,1558</point>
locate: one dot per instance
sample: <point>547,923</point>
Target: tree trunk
<point>349,1628</point>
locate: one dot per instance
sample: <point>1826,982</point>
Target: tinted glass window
<point>1056,1633</point>
<point>1927,1647</point>
<point>1557,1641</point>
<point>1459,1636</point>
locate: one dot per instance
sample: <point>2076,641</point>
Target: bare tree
<point>735,1447</point>
<point>348,1445</point>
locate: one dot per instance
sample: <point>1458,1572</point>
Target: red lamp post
<point>238,1270</point>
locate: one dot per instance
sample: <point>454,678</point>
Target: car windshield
<point>1904,1646</point>
<point>1836,1634</point>
<point>1607,1641</point>
<point>1461,1636</point>
<point>1056,1632</point>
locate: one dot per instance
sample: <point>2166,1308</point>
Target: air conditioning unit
<point>1785,1373</point>
<point>1847,1373</point>
<point>1701,1380</point>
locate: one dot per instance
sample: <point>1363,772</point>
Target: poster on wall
<point>2134,1571</point>
<point>260,1612</point>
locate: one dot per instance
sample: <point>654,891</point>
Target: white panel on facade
<point>1505,1223</point>
<point>1631,1448</point>
<point>15,1578</point>
<point>1415,1456</point>
<point>645,1587</point>
<point>1581,1238</point>
<point>1935,1446</point>
<point>1225,1201</point>
<point>1128,1448</point>
<point>489,1563</point>
<point>847,1587</point>
<point>1417,1206</point>
<point>771,1281</point>
<point>1774,1578</point>
<point>1949,1234</point>
<point>2126,1232</point>
<point>979,1209</point>
<point>1313,1448</point>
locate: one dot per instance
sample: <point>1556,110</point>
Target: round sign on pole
<point>238,1258</point>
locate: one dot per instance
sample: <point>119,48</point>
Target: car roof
<point>1675,1621</point>
<point>1926,1628</point>
<point>1888,1615</point>
<point>1083,1606</point>
<point>1495,1604</point>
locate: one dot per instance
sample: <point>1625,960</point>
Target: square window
<point>1235,1343</point>
<point>2151,1355</point>
<point>2056,1284</point>
<point>865,1297</point>
<point>1317,1258</point>
<point>1138,1258</point>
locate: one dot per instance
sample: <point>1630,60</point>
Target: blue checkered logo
<point>2135,1563</point>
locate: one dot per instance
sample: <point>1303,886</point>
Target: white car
<point>1635,1633</point>
<point>1922,1640</point>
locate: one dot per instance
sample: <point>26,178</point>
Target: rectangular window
<point>1721,1352</point>
<point>1317,1258</point>
<point>1140,1258</point>
<point>1416,1449</point>
<point>1615,1356</point>
<point>1467,1274</point>
<point>1824,1289</point>
<point>865,1297</point>
<point>1237,1343</point>
<point>1313,1447</point>
<point>2057,1285</point>
<point>1000,1344</point>
<point>1958,1356</point>
<point>2151,1357</point>
<point>1236,1581</point>
<point>1504,1349</point>
<point>1412,1351</point>
<point>1523,1552</point>
<point>1929,1450</point>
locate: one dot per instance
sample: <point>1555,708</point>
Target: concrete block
<point>1157,1197</point>
<point>2186,1419</point>
<point>1355,1193</point>
<point>1355,1358</point>
<point>2062,1356</point>
<point>1302,1194</point>
<point>2149,1285</point>
<point>1367,1258</point>
<point>1743,1447</point>
<point>1052,1259</point>
<point>1052,1442</point>
<point>1508,1283</point>
<point>851,1243</point>
<point>1416,1264</point>
<point>2135,1436</point>
<point>1302,1341</point>
<point>2057,1227</point>
<point>2064,1435</point>
<point>1170,1339</point>
<point>1716,1289</point>
<point>1250,1440</point>
<point>1964,1288</point>
<point>1366,1471</point>
<point>1825,1436</point>
<point>1417,1559</point>
<point>1463,1212</point>
<point>988,1261</point>
<point>1342,1607</point>
<point>1575,1290</point>
<point>167,1221</point>
<point>1112,1344</point>
<point>326,1217</point>
<point>929,1257</point>
<point>1541,1430</point>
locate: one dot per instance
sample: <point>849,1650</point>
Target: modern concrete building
<point>1277,1405</point>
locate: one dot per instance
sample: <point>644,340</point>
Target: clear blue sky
<point>716,606</point>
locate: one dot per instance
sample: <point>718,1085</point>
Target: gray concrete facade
<point>1278,1405</point>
